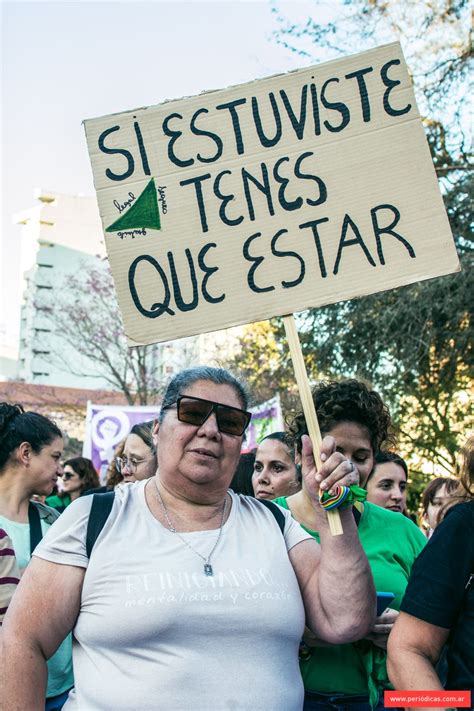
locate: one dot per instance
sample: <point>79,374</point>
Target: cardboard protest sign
<point>271,197</point>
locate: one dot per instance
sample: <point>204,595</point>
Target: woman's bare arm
<point>414,647</point>
<point>42,612</point>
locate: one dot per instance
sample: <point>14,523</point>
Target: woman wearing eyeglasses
<point>138,460</point>
<point>135,459</point>
<point>188,580</point>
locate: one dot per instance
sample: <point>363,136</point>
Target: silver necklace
<point>208,570</point>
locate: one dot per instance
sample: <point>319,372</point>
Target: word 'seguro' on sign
<point>268,198</point>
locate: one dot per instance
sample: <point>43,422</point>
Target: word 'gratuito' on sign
<point>268,198</point>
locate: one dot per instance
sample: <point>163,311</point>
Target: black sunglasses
<point>195,411</point>
<point>68,476</point>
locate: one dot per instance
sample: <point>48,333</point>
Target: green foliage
<point>261,361</point>
<point>414,344</point>
<point>435,38</point>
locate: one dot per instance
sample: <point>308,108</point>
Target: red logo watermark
<point>428,699</point>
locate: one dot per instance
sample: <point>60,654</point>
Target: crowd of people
<point>192,561</point>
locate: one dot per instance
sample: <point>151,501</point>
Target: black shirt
<point>441,591</point>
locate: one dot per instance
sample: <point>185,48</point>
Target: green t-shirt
<point>392,543</point>
<point>60,676</point>
<point>58,502</point>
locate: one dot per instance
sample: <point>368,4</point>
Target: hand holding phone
<point>383,601</point>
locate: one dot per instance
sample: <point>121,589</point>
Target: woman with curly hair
<point>113,477</point>
<point>354,675</point>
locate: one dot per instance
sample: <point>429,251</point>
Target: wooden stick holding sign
<point>308,407</point>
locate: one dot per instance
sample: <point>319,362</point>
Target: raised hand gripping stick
<point>309,411</point>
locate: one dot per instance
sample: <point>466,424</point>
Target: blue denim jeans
<point>55,703</point>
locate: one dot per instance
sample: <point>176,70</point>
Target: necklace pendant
<point>208,569</point>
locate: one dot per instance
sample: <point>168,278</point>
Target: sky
<point>62,62</point>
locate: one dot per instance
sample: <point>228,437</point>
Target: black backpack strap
<point>100,509</point>
<point>279,515</point>
<point>36,532</point>
<point>357,515</point>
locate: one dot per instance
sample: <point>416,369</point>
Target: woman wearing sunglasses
<point>188,580</point>
<point>78,477</point>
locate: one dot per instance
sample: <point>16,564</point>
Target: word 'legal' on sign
<point>268,198</point>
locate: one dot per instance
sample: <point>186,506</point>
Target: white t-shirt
<point>155,633</point>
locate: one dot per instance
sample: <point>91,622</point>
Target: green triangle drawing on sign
<point>143,213</point>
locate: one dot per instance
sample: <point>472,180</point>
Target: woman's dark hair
<point>180,382</point>
<point>242,480</point>
<point>281,437</point>
<point>17,426</point>
<point>384,456</point>
<point>86,471</point>
<point>434,486</point>
<point>285,439</point>
<point>459,490</point>
<point>347,401</point>
<point>144,430</point>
